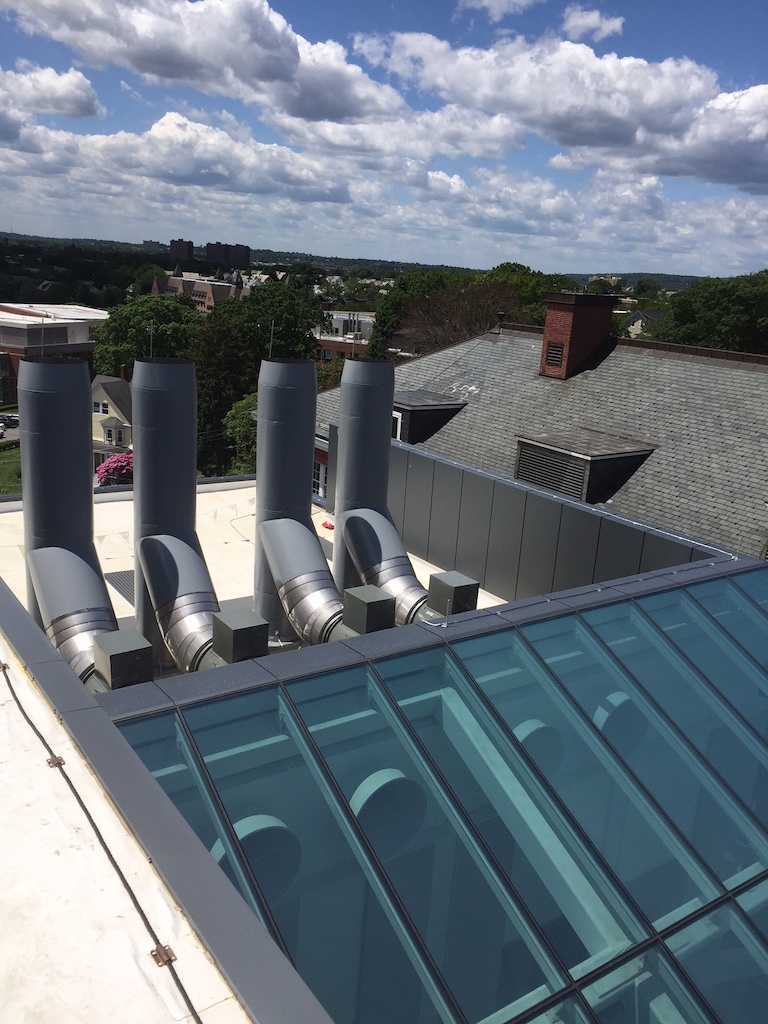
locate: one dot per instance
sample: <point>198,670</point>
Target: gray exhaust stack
<point>66,593</point>
<point>365,433</point>
<point>284,455</point>
<point>304,583</point>
<point>164,497</point>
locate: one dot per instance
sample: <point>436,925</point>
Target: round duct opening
<point>391,810</point>
<point>621,721</point>
<point>543,744</point>
<point>271,849</point>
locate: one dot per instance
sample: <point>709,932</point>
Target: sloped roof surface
<point>706,419</point>
<point>119,394</point>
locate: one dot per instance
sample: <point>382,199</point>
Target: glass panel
<point>162,745</point>
<point>728,964</point>
<point>341,934</point>
<point>700,807</point>
<point>721,661</point>
<point>755,903</point>
<point>659,872</point>
<point>647,990</point>
<point>737,615</point>
<point>567,1012</point>
<point>481,944</point>
<point>755,584</point>
<point>719,735</point>
<point>573,901</point>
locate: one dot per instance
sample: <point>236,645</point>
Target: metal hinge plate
<point>163,955</point>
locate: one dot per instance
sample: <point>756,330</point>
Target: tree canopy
<point>159,325</point>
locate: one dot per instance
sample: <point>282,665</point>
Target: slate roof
<point>706,419</point>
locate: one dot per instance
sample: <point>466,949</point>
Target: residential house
<point>111,417</point>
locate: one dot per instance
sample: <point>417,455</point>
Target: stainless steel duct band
<point>380,559</point>
<point>284,454</point>
<point>74,604</point>
<point>56,460</point>
<point>365,434</point>
<point>182,596</point>
<point>165,468</point>
<point>305,586</point>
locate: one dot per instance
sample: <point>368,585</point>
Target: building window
<point>97,406</point>
<point>397,425</point>
<point>108,435</point>
<point>119,437</point>
<point>327,355</point>
<point>104,408</point>
<point>319,480</point>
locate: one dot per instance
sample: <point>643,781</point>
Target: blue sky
<point>566,136</point>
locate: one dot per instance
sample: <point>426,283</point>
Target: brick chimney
<point>575,328</point>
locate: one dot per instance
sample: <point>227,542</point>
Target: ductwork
<point>365,434</point>
<point>164,498</point>
<point>381,560</point>
<point>73,603</point>
<point>304,583</point>
<point>182,595</point>
<point>284,451</point>
<point>66,592</point>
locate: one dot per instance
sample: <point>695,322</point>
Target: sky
<point>564,136</point>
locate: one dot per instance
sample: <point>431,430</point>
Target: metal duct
<point>304,583</point>
<point>284,451</point>
<point>380,559</point>
<point>165,470</point>
<point>56,462</point>
<point>181,592</point>
<point>365,433</point>
<point>73,603</point>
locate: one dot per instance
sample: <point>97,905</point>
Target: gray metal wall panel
<point>398,472</point>
<point>446,502</point>
<point>660,552</point>
<point>418,504</point>
<point>504,537</point>
<point>618,550</point>
<point>538,547</point>
<point>576,548</point>
<point>474,523</point>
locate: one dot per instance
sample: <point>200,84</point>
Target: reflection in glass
<point>659,873</point>
<point>755,903</point>
<point>567,1012</point>
<point>484,948</point>
<point>719,735</point>
<point>340,932</point>
<point>572,899</point>
<point>728,964</point>
<point>647,990</point>
<point>755,584</point>
<point>711,649</point>
<point>701,808</point>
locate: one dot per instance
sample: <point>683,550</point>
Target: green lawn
<point>10,471</point>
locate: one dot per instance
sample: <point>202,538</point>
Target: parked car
<point>2,431</point>
<point>10,419</point>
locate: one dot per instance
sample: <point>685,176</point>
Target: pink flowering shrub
<point>117,469</point>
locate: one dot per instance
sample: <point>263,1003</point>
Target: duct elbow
<point>304,582</point>
<point>182,596</point>
<point>74,605</point>
<point>381,560</point>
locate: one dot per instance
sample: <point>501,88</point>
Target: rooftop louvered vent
<point>584,464</point>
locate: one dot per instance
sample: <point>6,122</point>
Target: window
<point>104,408</point>
<point>397,425</point>
<point>97,406</point>
<point>119,437</point>
<point>108,435</point>
<point>319,479</point>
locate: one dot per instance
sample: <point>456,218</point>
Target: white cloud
<point>35,90</point>
<point>497,9</point>
<point>237,48</point>
<point>579,22</point>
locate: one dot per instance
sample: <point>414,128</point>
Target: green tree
<point>159,325</point>
<point>240,429</point>
<point>228,349</point>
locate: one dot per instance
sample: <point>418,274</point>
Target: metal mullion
<point>389,899</point>
<point>568,815</point>
<point>401,723</point>
<point>655,805</point>
<point>688,744</point>
<point>240,866</point>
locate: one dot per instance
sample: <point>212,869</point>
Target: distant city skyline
<point>469,132</point>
